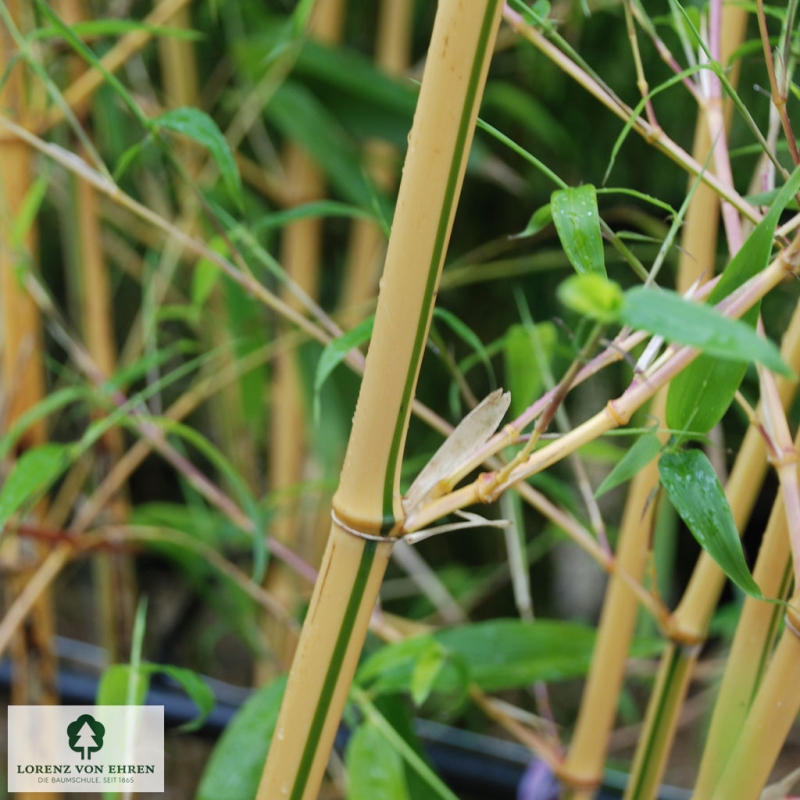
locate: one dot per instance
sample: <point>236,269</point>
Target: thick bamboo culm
<point>748,656</point>
<point>367,500</point>
<point>772,714</point>
<point>587,753</point>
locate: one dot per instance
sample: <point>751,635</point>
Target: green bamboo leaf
<point>523,108</point>
<point>754,253</point>
<point>642,452</point>
<point>301,15</point>
<point>29,210</point>
<point>695,491</point>
<point>592,295</point>
<point>126,376</point>
<point>577,222</point>
<point>67,31</point>
<point>238,484</point>
<point>541,218</point>
<point>235,767</point>
<point>768,198</point>
<point>300,116</point>
<point>523,374</point>
<point>375,769</point>
<point>197,125</point>
<point>699,397</point>
<point>115,27</point>
<point>498,654</point>
<point>49,405</point>
<point>667,314</point>
<point>467,335</point>
<point>425,672</point>
<point>114,686</point>
<point>32,474</point>
<point>320,208</point>
<point>198,690</point>
<point>334,353</point>
<point>206,273</point>
<point>368,90</point>
<point>129,155</point>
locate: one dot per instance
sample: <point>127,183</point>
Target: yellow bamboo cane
<point>773,713</point>
<point>367,501</point>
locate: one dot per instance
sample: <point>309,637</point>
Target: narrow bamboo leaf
<point>206,273</point>
<point>321,208</point>
<point>129,155</point>
<point>754,253</point>
<point>643,451</point>
<point>197,125</point>
<point>49,405</point>
<point>375,769</point>
<point>695,491</point>
<point>246,498</point>
<point>351,74</point>
<point>469,434</point>
<point>334,353</point>
<point>592,295</point>
<point>428,781</point>
<point>299,115</point>
<point>115,27</point>
<point>523,374</point>
<point>601,451</point>
<point>89,56</point>
<point>183,534</point>
<point>499,654</point>
<point>114,687</point>
<point>768,198</point>
<point>699,397</point>
<point>33,473</point>
<point>467,335</point>
<point>522,107</point>
<point>128,375</point>
<point>29,210</point>
<point>425,672</point>
<point>577,222</point>
<point>198,690</point>
<point>234,769</point>
<point>541,218</point>
<point>667,314</point>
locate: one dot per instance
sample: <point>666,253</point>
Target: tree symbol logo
<point>86,736</point>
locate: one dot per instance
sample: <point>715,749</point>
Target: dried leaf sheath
<point>367,498</point>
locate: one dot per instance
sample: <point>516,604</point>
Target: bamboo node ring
<point>369,537</point>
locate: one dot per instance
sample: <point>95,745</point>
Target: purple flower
<point>538,783</point>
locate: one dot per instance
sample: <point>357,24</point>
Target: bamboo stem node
<point>621,418</point>
<point>783,458</point>
<point>369,537</point>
